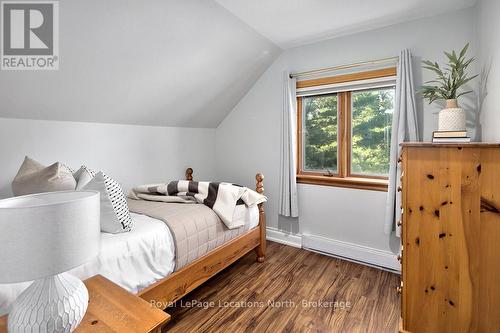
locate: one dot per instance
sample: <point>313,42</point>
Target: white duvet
<point>133,260</point>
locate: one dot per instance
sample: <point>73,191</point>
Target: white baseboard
<point>352,252</point>
<point>282,237</point>
<point>344,250</point>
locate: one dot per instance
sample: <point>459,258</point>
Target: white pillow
<point>115,215</point>
<point>34,177</point>
<point>83,176</point>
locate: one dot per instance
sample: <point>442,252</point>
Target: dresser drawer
<point>450,235</point>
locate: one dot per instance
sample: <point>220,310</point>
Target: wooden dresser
<point>450,237</point>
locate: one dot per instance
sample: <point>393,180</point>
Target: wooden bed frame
<point>166,291</point>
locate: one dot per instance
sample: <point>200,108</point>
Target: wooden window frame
<point>343,177</point>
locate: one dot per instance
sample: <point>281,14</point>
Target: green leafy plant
<point>449,79</point>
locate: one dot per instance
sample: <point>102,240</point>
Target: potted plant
<point>446,86</point>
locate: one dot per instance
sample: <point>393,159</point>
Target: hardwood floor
<point>289,277</point>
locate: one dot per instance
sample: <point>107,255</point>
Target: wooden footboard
<point>165,292</point>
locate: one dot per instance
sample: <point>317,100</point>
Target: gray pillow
<point>34,177</point>
<point>83,176</point>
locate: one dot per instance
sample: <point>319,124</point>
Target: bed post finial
<point>259,186</point>
<point>260,250</point>
<point>189,174</point>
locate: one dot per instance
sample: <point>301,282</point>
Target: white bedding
<point>133,260</point>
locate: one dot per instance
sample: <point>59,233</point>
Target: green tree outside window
<point>371,131</point>
<point>371,121</point>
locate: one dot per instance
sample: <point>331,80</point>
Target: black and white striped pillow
<point>115,215</point>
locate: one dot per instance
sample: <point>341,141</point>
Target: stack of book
<point>450,136</point>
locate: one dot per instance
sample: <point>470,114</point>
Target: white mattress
<point>133,260</point>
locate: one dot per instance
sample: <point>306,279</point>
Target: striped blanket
<point>222,198</point>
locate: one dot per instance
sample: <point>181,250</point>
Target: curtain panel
<point>288,204</point>
<point>404,128</point>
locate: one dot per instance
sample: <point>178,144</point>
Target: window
<point>344,129</point>
<point>321,133</point>
<point>371,122</point>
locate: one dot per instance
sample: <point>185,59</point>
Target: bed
<point>144,261</point>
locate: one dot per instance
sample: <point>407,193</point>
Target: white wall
<point>489,55</point>
<point>248,139</point>
<point>131,154</point>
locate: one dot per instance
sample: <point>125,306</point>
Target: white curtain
<point>404,128</point>
<point>288,205</point>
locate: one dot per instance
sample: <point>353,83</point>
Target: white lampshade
<point>46,234</point>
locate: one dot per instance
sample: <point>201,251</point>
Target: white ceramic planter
<point>452,118</point>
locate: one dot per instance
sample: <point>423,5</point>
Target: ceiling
<point>180,63</point>
<point>155,62</point>
<point>289,23</point>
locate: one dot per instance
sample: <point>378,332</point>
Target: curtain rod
<point>336,68</point>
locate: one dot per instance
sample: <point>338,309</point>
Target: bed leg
<point>260,250</point>
<point>261,255</point>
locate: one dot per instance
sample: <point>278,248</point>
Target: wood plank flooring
<point>282,294</point>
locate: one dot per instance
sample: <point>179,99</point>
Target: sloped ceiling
<point>289,23</point>
<point>155,62</point>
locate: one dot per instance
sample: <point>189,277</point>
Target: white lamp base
<point>53,304</point>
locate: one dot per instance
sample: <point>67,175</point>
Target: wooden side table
<point>112,309</point>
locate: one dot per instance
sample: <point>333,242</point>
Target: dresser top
<point>452,145</point>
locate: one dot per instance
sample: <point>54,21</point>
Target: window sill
<point>349,182</point>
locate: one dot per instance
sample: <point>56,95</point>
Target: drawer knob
<point>400,188</point>
<point>399,223</point>
<point>399,289</point>
<point>400,259</point>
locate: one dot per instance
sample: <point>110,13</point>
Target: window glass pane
<point>371,131</point>
<point>320,133</point>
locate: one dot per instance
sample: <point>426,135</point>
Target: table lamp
<point>41,237</point>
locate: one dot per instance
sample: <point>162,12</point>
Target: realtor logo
<point>29,35</point>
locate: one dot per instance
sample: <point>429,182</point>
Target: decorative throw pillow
<point>34,177</point>
<point>83,176</point>
<point>115,215</point>
<point>69,168</point>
